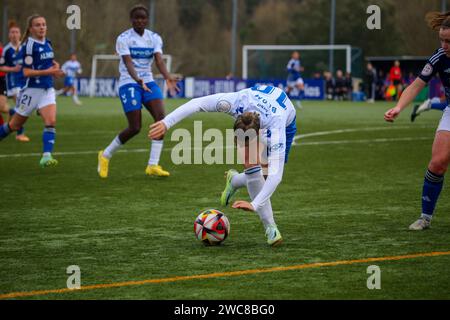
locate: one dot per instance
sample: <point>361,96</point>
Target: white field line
<point>300,136</point>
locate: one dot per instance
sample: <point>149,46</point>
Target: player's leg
<point>15,123</point>
<point>153,102</point>
<point>134,118</point>
<point>48,115</point>
<point>73,91</point>
<point>20,135</point>
<point>255,182</point>
<point>434,177</point>
<point>131,98</point>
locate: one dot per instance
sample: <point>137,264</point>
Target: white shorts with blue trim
<point>31,99</point>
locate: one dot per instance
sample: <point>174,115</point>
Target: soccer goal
<point>108,58</point>
<point>269,61</point>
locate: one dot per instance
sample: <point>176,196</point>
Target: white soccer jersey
<point>141,49</point>
<point>71,68</point>
<point>276,113</point>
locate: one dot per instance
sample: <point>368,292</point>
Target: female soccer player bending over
<point>265,110</point>
<point>137,47</point>
<point>439,62</point>
<point>39,67</point>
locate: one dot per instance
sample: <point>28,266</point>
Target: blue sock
<point>432,187</point>
<point>5,130</point>
<point>438,106</point>
<point>48,139</point>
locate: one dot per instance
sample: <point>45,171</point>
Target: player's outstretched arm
<point>406,98</point>
<point>171,80</point>
<point>205,104</point>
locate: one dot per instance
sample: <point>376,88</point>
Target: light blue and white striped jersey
<point>142,50</point>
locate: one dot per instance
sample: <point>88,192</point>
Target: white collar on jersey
<point>40,42</point>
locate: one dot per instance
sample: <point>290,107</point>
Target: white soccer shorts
<point>14,92</point>
<point>31,99</point>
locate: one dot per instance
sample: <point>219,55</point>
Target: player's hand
<point>143,85</point>
<point>244,205</point>
<point>56,64</point>
<point>391,114</point>
<point>157,130</point>
<point>56,71</point>
<point>172,85</point>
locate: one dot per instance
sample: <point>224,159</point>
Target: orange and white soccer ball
<point>211,227</point>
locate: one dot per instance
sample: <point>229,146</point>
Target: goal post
<point>247,48</point>
<point>112,57</point>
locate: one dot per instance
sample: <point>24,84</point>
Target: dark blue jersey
<point>438,63</point>
<point>38,55</point>
<point>293,68</point>
<point>11,58</point>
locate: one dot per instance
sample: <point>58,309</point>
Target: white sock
<point>426,105</point>
<point>75,98</point>
<point>255,182</point>
<point>155,152</point>
<point>239,180</point>
<point>112,148</point>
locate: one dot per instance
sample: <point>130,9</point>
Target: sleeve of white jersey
<point>122,47</point>
<point>211,103</point>
<point>64,67</point>
<point>277,149</point>
<point>158,44</point>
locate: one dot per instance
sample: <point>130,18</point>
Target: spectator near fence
<point>340,86</point>
<point>370,82</point>
<point>329,85</point>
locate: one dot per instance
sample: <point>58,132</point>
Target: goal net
<point>107,65</point>
<point>270,61</point>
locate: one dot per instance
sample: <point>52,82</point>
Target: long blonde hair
<point>437,20</point>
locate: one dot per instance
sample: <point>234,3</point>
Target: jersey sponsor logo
<point>28,60</point>
<point>223,106</point>
<point>141,53</point>
<point>277,147</point>
<point>427,70</point>
<point>47,55</point>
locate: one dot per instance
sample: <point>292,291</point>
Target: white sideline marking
<point>325,133</point>
<point>297,137</point>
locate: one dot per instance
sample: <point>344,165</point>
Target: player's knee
<point>51,122</point>
<point>438,165</point>
<point>134,130</point>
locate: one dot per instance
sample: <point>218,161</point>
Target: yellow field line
<point>222,274</point>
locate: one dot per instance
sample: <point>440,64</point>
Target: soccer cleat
<point>414,113</point>
<point>77,101</point>
<point>420,224</point>
<point>229,190</point>
<point>103,165</point>
<point>274,237</point>
<point>156,170</point>
<point>22,138</point>
<point>47,161</point>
